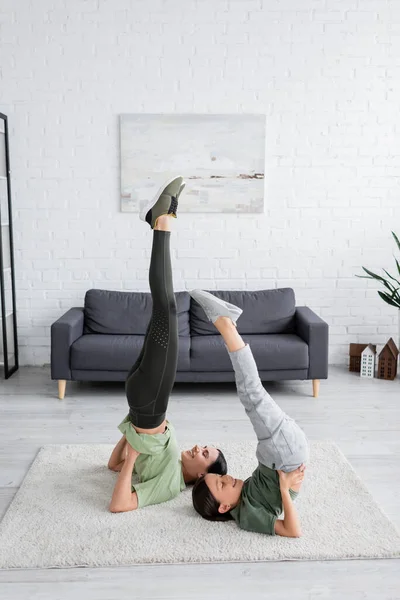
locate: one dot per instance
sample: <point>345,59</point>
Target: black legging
<point>151,379</point>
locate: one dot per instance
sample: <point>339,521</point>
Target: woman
<point>255,504</point>
<point>148,446</point>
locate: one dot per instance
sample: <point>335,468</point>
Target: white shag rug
<point>59,517</point>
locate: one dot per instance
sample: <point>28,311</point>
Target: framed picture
<point>221,158</point>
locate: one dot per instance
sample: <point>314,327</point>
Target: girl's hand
<point>294,478</point>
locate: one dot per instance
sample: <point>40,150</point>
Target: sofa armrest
<point>64,332</point>
<point>315,332</point>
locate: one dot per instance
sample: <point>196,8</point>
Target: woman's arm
<point>117,457</point>
<point>123,499</point>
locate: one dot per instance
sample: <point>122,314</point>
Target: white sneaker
<point>215,307</point>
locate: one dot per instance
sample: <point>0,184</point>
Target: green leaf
<point>398,265</point>
<point>396,280</point>
<point>389,300</point>
<point>378,277</point>
<point>395,295</point>
<point>396,239</point>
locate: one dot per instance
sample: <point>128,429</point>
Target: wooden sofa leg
<point>315,386</point>
<point>61,388</point>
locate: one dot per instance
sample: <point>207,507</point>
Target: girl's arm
<point>117,457</point>
<point>290,526</point>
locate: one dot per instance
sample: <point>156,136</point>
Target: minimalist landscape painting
<point>221,157</point>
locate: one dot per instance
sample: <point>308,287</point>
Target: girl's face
<point>225,489</point>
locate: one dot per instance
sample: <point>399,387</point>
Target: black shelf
<point>8,325</point>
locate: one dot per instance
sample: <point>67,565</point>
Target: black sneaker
<point>165,201</point>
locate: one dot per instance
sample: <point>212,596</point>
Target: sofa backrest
<point>115,312</point>
<point>128,313</point>
<point>264,311</point>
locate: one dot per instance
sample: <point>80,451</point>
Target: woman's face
<point>225,489</point>
<point>198,459</point>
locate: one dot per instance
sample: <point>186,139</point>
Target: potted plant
<point>392,295</point>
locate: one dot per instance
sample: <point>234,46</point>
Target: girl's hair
<point>219,467</point>
<point>205,503</point>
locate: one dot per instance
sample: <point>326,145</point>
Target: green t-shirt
<point>261,502</point>
<point>158,465</point>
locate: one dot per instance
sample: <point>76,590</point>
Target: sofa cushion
<point>116,352</point>
<point>115,312</point>
<point>271,352</point>
<point>264,311</point>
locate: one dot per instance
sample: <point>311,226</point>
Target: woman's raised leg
<point>137,362</point>
<point>148,388</point>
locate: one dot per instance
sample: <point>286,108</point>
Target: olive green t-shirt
<point>261,502</point>
<point>158,465</point>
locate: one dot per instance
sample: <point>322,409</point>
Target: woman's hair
<point>205,503</point>
<point>219,467</point>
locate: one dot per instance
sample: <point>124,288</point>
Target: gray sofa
<point>101,341</point>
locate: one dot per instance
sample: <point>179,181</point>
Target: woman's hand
<point>292,479</point>
<point>130,453</point>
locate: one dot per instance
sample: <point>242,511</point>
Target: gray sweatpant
<point>281,443</point>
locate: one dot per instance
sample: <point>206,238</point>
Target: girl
<point>255,504</point>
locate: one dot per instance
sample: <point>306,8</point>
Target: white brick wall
<point>326,73</point>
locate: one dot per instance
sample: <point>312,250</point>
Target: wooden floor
<point>361,416</point>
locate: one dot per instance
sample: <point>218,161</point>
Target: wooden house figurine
<point>387,366</point>
<point>368,361</point>
<point>355,356</point>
